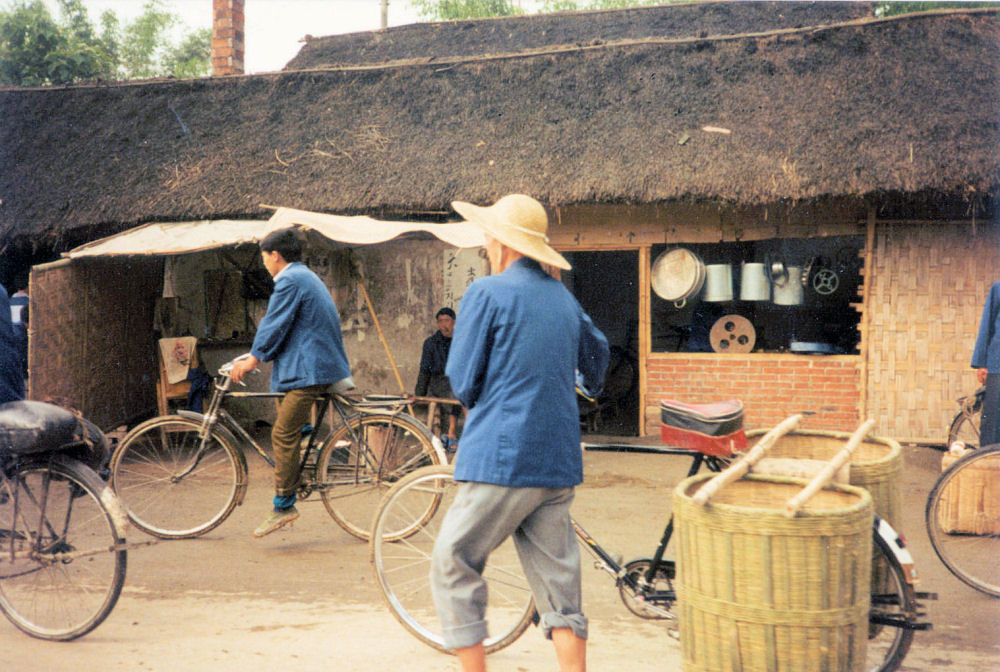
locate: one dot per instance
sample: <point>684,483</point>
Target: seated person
<point>431,380</point>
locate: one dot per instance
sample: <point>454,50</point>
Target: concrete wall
<point>407,282</point>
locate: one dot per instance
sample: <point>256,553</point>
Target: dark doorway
<point>606,285</point>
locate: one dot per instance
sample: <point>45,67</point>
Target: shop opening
<point>606,285</point>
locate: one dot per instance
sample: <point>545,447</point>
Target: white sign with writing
<point>461,267</point>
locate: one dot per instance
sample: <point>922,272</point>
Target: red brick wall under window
<point>772,387</point>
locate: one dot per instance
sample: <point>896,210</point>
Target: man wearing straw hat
<point>521,342</point>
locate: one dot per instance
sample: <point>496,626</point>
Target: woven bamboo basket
<point>759,591</point>
<point>970,503</point>
<point>876,464</point>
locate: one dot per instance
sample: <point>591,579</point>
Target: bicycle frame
<point>614,567</point>
<point>216,414</point>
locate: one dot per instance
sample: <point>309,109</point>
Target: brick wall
<point>772,387</point>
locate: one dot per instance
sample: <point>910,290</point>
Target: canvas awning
<point>182,237</point>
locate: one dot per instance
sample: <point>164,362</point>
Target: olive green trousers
<point>294,411</point>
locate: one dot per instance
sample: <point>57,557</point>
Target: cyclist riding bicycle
<point>301,333</point>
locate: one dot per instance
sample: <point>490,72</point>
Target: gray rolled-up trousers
<point>479,520</point>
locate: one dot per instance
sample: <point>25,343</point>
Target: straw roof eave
<point>907,107</point>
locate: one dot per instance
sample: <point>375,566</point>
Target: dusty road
<point>304,599</point>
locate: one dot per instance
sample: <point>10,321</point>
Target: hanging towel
<point>177,354</point>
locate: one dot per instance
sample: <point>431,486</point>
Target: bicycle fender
<point>110,501</point>
<point>895,544</point>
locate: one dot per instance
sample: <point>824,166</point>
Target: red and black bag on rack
<point>714,429</point>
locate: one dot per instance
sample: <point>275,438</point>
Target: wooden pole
<point>385,344</point>
<point>645,330</point>
<point>865,344</point>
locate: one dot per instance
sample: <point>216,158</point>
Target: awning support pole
<point>385,344</point>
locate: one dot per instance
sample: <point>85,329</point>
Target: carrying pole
<point>825,475</point>
<point>737,470</point>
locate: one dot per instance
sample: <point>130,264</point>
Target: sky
<point>273,27</point>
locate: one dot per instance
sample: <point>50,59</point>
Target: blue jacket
<point>301,333</point>
<point>986,354</point>
<point>11,374</point>
<point>519,339</point>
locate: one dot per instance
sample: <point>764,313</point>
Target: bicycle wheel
<point>893,605</point>
<point>402,567</point>
<point>965,426</point>
<point>62,558</point>
<point>963,519</point>
<point>353,475</point>
<point>171,487</point>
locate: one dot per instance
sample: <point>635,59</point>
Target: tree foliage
<point>896,8</point>
<point>450,10</point>
<point>579,5</point>
<point>37,49</point>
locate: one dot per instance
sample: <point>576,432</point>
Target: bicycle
<point>963,519</point>
<point>401,566</point>
<point>182,475</point>
<point>62,530</point>
<point>964,426</point>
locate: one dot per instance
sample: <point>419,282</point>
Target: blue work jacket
<point>986,354</point>
<point>301,333</point>
<point>520,337</point>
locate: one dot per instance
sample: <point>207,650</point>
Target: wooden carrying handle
<point>741,466</point>
<point>825,474</point>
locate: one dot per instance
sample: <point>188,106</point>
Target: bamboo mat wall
<point>91,342</point>
<point>926,294</point>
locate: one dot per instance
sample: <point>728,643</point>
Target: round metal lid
<point>677,274</point>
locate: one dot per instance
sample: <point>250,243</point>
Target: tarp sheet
<point>182,237</point>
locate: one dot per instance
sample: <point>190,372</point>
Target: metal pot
<point>718,282</point>
<point>789,292</point>
<point>754,283</point>
<point>677,275</point>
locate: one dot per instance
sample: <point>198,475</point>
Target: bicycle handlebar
<point>227,368</point>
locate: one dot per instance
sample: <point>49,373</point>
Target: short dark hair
<point>445,311</point>
<point>285,243</point>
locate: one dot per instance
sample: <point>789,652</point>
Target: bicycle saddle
<point>715,428</point>
<point>35,427</point>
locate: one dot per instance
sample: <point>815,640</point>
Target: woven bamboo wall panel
<point>55,341</point>
<point>926,295</point>
<point>92,343</point>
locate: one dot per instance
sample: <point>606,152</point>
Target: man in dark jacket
<point>11,375</point>
<point>432,381</point>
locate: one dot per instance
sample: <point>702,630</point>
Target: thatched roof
<point>901,106</point>
<point>474,37</point>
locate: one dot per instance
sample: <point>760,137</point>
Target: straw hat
<point>517,221</point>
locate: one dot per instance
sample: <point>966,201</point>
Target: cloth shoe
<point>278,519</point>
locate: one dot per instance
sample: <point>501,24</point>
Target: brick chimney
<point>227,37</point>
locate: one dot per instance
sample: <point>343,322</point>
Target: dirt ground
<point>304,598</point>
